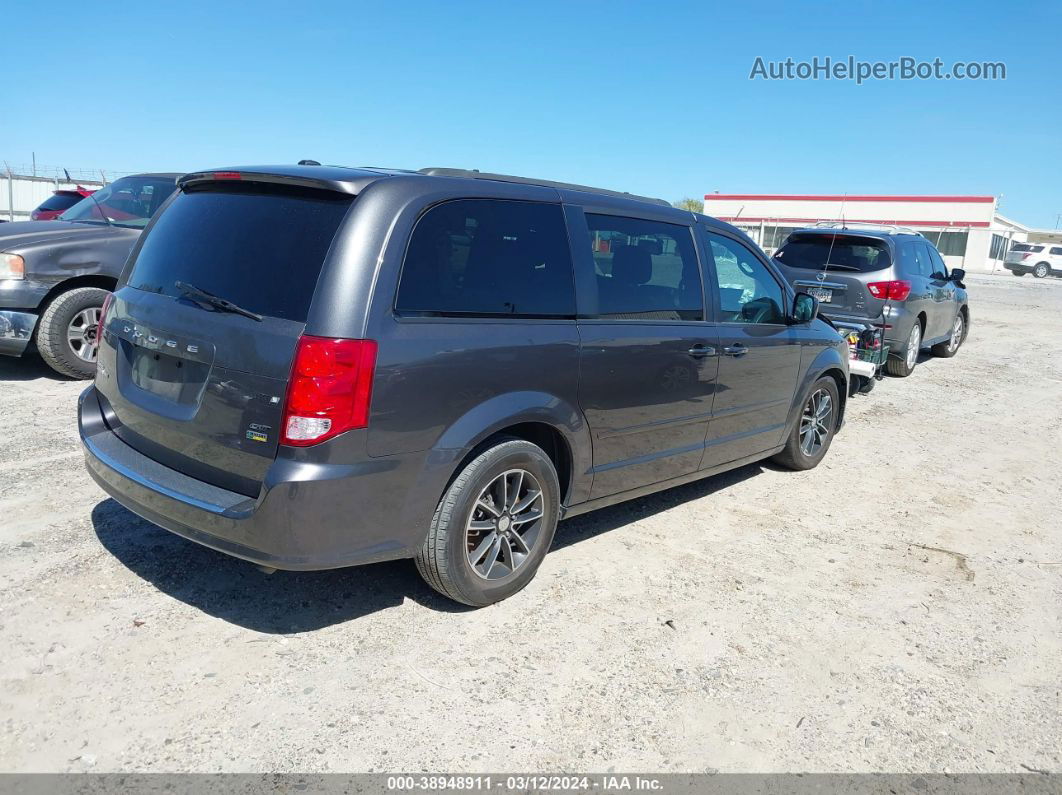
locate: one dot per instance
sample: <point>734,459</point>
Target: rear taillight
<point>1025,256</point>
<point>330,389</point>
<point>103,311</point>
<point>896,290</point>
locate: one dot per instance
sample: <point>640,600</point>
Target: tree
<point>693,205</point>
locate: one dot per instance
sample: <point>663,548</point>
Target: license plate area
<point>821,294</point>
<point>168,377</point>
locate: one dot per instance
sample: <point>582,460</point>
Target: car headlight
<point>12,266</point>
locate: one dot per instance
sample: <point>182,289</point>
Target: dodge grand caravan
<point>312,367</point>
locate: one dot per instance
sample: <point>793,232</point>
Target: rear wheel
<point>811,436</point>
<point>1041,270</point>
<point>69,330</point>
<point>950,347</point>
<point>903,364</point>
<point>493,526</point>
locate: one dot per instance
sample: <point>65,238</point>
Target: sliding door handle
<point>735,350</point>
<point>699,351</point>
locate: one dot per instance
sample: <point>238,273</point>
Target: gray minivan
<point>312,367</point>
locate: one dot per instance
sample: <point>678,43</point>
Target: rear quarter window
<point>60,201</point>
<point>488,258</point>
<point>257,247</point>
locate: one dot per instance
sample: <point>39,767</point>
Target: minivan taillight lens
<point>103,310</point>
<point>896,290</point>
<point>330,389</point>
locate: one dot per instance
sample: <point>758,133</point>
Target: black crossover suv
<point>312,367</point>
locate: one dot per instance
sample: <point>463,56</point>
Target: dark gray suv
<point>887,274</point>
<point>312,367</point>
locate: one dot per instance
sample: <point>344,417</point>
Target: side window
<point>482,257</point>
<point>1056,251</point>
<point>645,270</point>
<point>748,293</point>
<point>914,259</point>
<point>937,266</point>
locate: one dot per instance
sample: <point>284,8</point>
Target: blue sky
<point>649,97</point>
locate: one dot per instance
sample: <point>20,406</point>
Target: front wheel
<point>811,436</point>
<point>904,364</point>
<point>68,333</point>
<point>493,526</point>
<point>1041,270</point>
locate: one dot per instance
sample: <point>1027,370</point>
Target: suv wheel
<point>68,331</point>
<point>1041,270</point>
<point>949,348</point>
<point>811,435</point>
<point>493,526</point>
<point>903,364</point>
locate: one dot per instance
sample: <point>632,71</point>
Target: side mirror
<point>957,274</point>
<point>805,308</point>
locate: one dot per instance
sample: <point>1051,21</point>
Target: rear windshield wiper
<point>215,301</point>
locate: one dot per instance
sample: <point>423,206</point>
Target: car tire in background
<point>951,345</point>
<point>814,429</point>
<point>493,526</point>
<point>903,363</point>
<point>67,332</point>
<point>1041,270</point>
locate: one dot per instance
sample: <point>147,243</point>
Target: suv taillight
<point>896,290</point>
<point>103,310</point>
<point>1025,256</point>
<point>330,389</point>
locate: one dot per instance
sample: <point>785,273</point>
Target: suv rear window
<point>60,201</point>
<point>844,252</point>
<point>259,248</point>
<point>1026,247</point>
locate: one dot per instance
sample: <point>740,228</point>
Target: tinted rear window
<point>60,201</point>
<point>1026,247</point>
<point>262,250</point>
<point>812,252</point>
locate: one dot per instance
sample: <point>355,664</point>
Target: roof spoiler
<point>264,177</point>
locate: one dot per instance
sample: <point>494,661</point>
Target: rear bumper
<point>1019,267</point>
<point>16,330</point>
<point>897,317</point>
<point>308,516</point>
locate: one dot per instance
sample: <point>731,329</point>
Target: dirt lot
<point>899,608</point>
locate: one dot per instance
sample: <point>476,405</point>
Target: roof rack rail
<point>892,229</point>
<point>474,174</point>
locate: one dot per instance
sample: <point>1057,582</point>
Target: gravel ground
<point>899,608</point>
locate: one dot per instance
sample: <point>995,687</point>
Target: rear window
<point>60,201</point>
<point>813,252</point>
<point>262,250</point>
<point>1026,247</point>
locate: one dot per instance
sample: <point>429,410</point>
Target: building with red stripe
<point>967,230</point>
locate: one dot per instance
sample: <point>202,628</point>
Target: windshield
<point>129,202</point>
<point>812,252</point>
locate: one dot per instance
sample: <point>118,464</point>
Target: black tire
<point>794,455</point>
<point>1018,273</point>
<point>867,386</point>
<point>903,364</point>
<point>52,331</point>
<point>1041,270</point>
<point>950,347</point>
<point>443,560</point>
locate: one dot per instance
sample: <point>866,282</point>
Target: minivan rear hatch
<point>199,384</point>
<point>835,268</point>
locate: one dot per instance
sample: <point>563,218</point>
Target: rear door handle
<point>735,350</point>
<point>698,351</point>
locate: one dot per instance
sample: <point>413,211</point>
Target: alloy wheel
<point>914,344</point>
<point>815,422</point>
<point>505,524</point>
<point>956,334</point>
<point>82,334</point>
